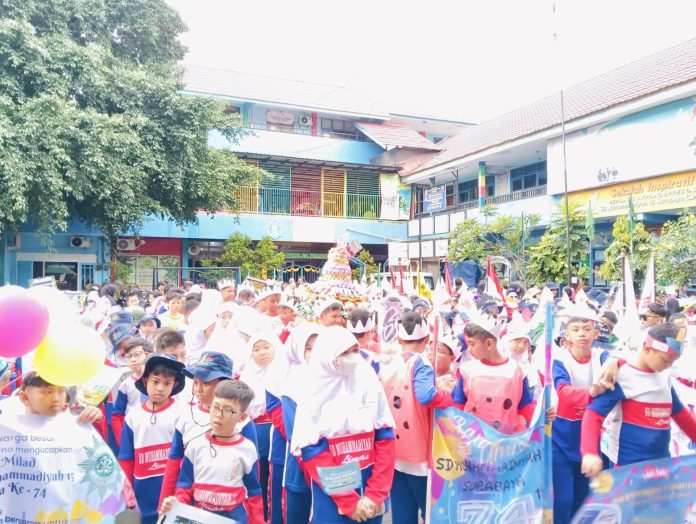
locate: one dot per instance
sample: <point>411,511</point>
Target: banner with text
<point>655,491</point>
<point>481,476</point>
<point>53,470</point>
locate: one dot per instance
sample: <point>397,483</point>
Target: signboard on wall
<point>434,199</point>
<point>280,117</point>
<point>654,194</point>
<point>638,146</point>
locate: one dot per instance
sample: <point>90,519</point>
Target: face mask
<point>604,330</point>
<point>347,364</point>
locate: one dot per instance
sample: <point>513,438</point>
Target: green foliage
<point>121,271</point>
<point>257,261</point>
<point>92,122</point>
<point>502,236</point>
<point>371,266</point>
<point>547,259</point>
<point>675,253</point>
<point>642,246</point>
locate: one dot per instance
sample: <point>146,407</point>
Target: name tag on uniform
<point>340,479</point>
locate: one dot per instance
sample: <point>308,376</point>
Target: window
<point>449,195</point>
<point>65,273</point>
<point>142,269</point>
<point>342,128</point>
<point>528,177</point>
<point>468,190</point>
<point>490,185</point>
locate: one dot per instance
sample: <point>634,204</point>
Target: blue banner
<point>480,476</point>
<point>661,491</point>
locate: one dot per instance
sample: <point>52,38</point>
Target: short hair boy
<point>171,342</point>
<point>148,429</point>
<point>206,480</point>
<point>173,317</point>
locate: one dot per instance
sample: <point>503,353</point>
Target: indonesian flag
<point>647,294</point>
<point>493,287</point>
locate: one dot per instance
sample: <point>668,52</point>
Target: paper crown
<point>581,310</point>
<point>420,330</point>
<point>267,292</point>
<point>492,325</point>
<point>451,342</point>
<point>670,345</point>
<point>226,282</point>
<point>288,303</point>
<point>360,326</point>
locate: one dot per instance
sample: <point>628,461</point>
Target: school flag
<point>54,470</point>
<point>480,475</point>
<point>653,491</point>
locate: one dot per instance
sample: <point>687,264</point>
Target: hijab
<point>296,379</point>
<point>267,378</point>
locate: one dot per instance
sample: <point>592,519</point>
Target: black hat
<point>163,359</point>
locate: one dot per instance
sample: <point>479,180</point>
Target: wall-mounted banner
<point>434,199</point>
<point>654,491</point>
<point>480,476</point>
<point>389,192</point>
<point>54,470</point>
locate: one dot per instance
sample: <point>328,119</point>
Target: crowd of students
<point>236,401</point>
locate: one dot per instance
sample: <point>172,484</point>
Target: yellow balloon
<point>69,355</point>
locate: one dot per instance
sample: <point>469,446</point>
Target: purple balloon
<point>23,322</point>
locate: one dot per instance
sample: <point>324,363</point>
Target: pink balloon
<point>23,322</point>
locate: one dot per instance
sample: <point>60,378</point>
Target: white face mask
<point>347,365</point>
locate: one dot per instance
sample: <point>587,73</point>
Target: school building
<point>398,182</point>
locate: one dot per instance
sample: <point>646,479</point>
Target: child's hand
<point>607,375</point>
<point>550,414</point>
<point>167,504</point>
<point>597,389</point>
<point>446,383</point>
<point>362,512</point>
<point>129,495</point>
<point>90,415</point>
<point>591,465</point>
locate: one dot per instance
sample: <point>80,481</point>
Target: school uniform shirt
<point>145,441</point>
<point>646,404</point>
<point>572,379</point>
<point>496,393</point>
<point>127,397</point>
<point>278,442</point>
<point>194,422</point>
<point>220,476</point>
<point>174,322</point>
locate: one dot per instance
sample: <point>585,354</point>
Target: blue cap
<point>156,320</point>
<point>119,333</point>
<point>122,316</point>
<point>163,359</point>
<point>211,366</point>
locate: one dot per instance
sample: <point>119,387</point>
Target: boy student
<point>172,343</point>
<point>219,469</point>
<point>576,374</point>
<point>330,312</point>
<point>361,323</point>
<point>287,311</point>
<point>448,352</point>
<point>492,386</point>
<point>212,369</point>
<point>647,403</point>
<point>148,431</point>
<point>135,352</point>
<point>173,317</point>
<point>148,325</point>
<point>412,394</point>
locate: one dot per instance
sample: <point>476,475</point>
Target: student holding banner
<point>343,419</point>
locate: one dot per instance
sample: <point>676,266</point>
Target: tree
<point>92,122</point>
<point>371,267</point>
<point>256,261</point>
<point>503,236</point>
<point>642,246</point>
<point>675,252</point>
<point>547,259</point>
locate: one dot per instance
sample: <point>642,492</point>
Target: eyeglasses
<point>134,356</point>
<point>646,317</point>
<point>225,412</point>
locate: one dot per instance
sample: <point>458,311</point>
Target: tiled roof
<point>643,77</point>
<point>309,96</point>
<point>395,134</point>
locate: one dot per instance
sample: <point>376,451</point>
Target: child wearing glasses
<point>148,431</point>
<point>219,470</point>
<point>135,352</point>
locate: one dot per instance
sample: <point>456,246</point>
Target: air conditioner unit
<point>125,244</point>
<point>305,120</point>
<point>81,242</point>
<point>13,242</point>
<point>194,250</point>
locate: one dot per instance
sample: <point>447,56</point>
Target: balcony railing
<point>306,130</point>
<point>274,201</point>
<point>517,195</point>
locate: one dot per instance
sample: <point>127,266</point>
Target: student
<point>330,312</point>
<point>228,289</point>
<point>173,317</point>
<point>218,473</point>
<point>343,417</point>
<point>212,369</point>
<point>647,404</point>
<point>148,431</point>
<point>148,325</point>
<point>517,344</point>
<point>412,395</point>
<point>265,369</point>
<point>299,349</point>
<point>135,352</point>
<point>361,322</point>
<point>287,311</point>
<point>172,343</point>
<point>448,352</point>
<point>576,373</point>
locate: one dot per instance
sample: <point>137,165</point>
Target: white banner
<point>54,470</point>
<point>389,189</point>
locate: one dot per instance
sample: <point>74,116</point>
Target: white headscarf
<point>334,404</point>
<point>296,380</point>
<point>262,379</point>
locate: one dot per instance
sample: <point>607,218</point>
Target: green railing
<point>267,200</point>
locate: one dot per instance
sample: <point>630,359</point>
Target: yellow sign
<point>653,194</point>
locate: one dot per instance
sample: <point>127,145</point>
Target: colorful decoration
<point>23,322</point>
<point>336,279</point>
<point>69,355</point>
